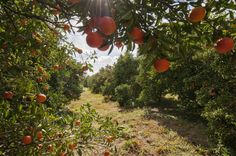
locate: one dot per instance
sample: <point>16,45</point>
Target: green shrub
<point>122,94</point>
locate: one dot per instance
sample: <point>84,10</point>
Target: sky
<point>103,60</point>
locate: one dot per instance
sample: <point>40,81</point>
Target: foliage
<point>203,79</point>
<point>35,58</point>
<point>117,82</point>
<point>122,94</point>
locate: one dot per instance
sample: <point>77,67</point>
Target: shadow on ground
<point>190,126</point>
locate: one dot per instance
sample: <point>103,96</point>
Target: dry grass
<point>160,134</point>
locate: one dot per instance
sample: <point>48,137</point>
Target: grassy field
<point>150,131</point>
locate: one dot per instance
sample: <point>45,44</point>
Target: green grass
<point>150,132</point>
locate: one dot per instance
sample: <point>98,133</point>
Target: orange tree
<point>182,33</point>
<point>186,48</point>
<point>38,78</point>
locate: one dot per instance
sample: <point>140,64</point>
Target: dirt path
<point>151,132</point>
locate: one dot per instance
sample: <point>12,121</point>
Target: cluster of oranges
<point>106,26</point>
<point>28,139</point>
<point>222,46</point>
<point>40,98</point>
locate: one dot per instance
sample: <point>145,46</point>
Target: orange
<point>197,14</point>
<point>224,45</point>
<point>137,35</point>
<point>94,39</point>
<point>80,51</point>
<point>66,27</point>
<point>161,65</point>
<point>41,98</point>
<point>8,95</point>
<point>27,139</point>
<point>40,135</point>
<point>107,25</point>
<point>104,48</point>
<point>106,153</point>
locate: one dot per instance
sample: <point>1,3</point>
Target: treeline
<point>204,84</point>
<point>118,82</point>
<point>38,78</point>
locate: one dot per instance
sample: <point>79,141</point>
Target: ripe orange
<point>224,45</point>
<point>118,44</point>
<point>66,27</point>
<point>50,148</point>
<point>27,139</point>
<point>7,95</point>
<point>94,39</point>
<point>106,153</point>
<point>107,25</point>
<point>197,14</point>
<point>137,35</point>
<point>73,1</point>
<point>41,98</point>
<point>161,65</point>
<point>104,48</point>
<point>72,146</point>
<point>77,122</point>
<point>40,135</point>
<point>80,51</point>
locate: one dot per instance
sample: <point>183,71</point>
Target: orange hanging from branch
<point>197,14</point>
<point>94,39</point>
<point>161,65</point>
<point>224,45</point>
<point>107,25</point>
